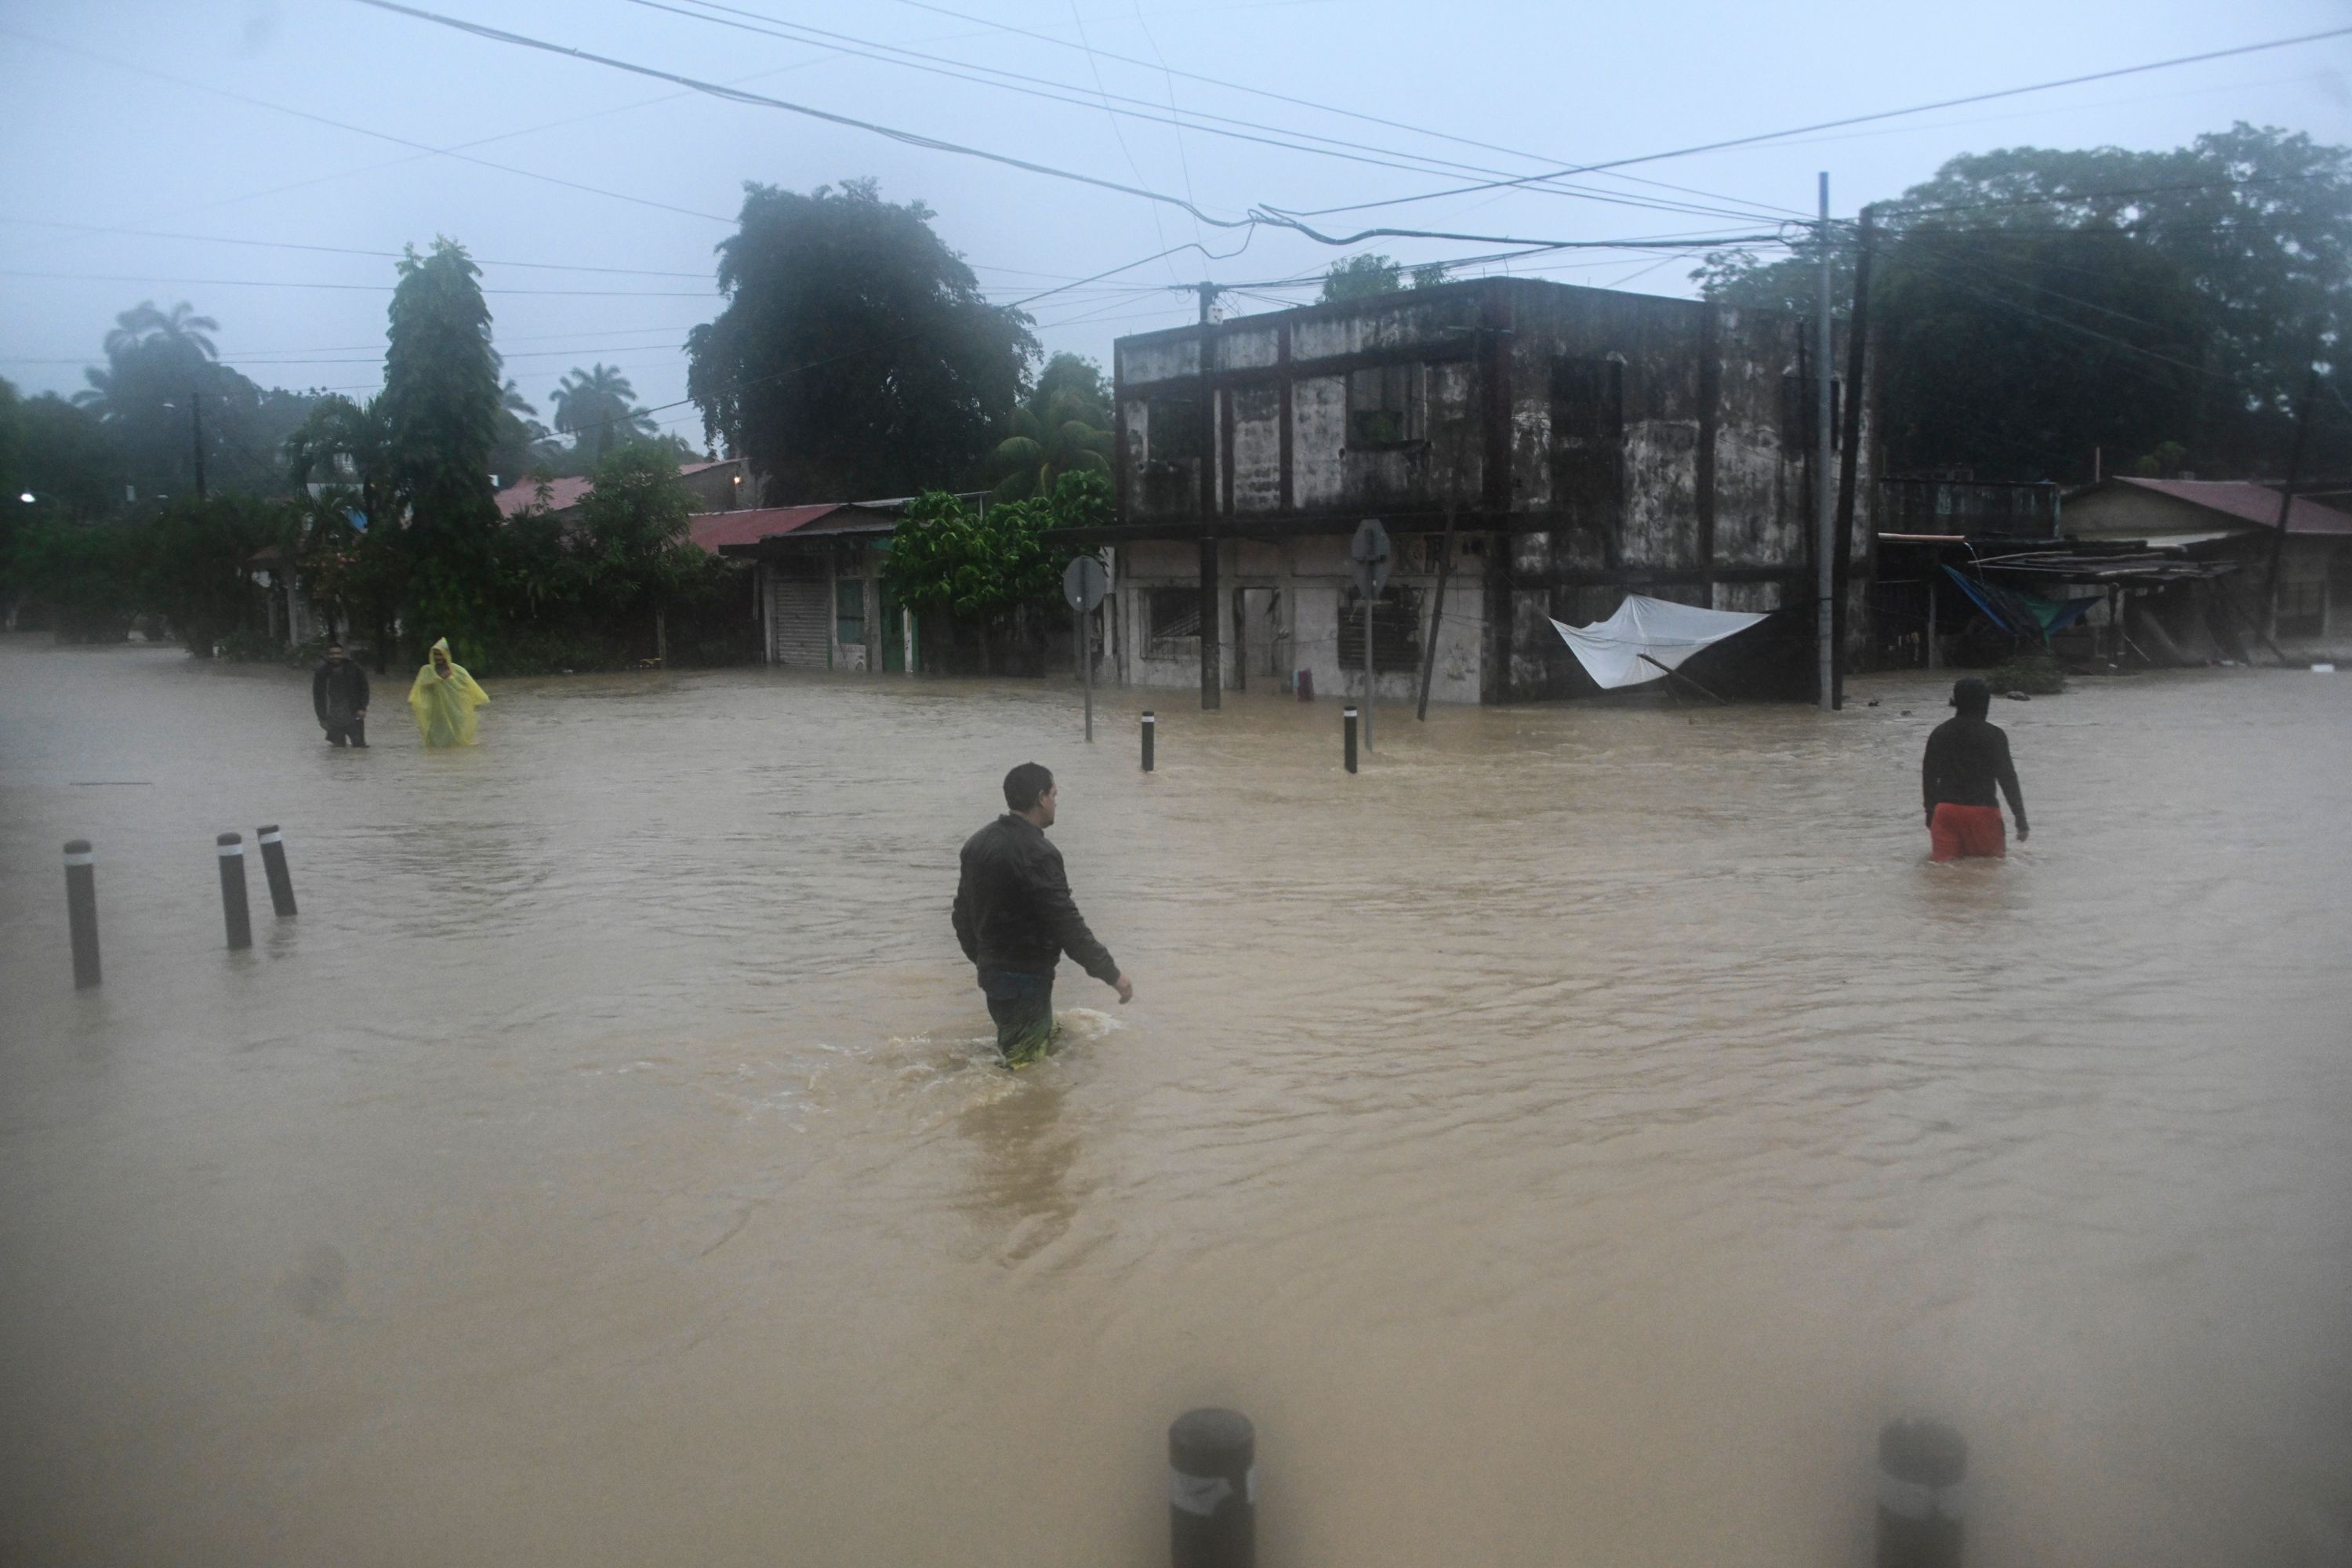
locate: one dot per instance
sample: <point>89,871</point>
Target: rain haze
<point>1598,1066</point>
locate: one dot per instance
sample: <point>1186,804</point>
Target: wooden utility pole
<point>1211,652</point>
<point>1849,465</point>
<point>196,418</point>
<point>1824,502</point>
<point>1436,618</point>
<point>2286,505</point>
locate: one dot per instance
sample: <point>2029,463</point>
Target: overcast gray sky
<point>190,118</point>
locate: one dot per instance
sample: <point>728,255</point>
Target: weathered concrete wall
<point>1644,440</point>
<point>1303,583</point>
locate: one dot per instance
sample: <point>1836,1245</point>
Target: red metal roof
<point>713,529</point>
<point>2248,503</point>
<point>564,494</point>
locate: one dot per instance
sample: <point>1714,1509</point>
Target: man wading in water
<point>1966,757</point>
<point>1015,918</point>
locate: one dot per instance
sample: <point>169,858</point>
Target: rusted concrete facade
<point>1587,444</point>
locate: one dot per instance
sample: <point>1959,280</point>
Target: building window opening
<point>1173,430</point>
<point>1396,630</point>
<point>1588,399</point>
<point>1171,621</point>
<point>849,611</point>
<point>1386,406</point>
<point>1800,398</point>
<point>2302,609</point>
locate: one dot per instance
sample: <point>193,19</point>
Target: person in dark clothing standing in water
<point>339,694</point>
<point>1967,757</point>
<point>1015,918</point>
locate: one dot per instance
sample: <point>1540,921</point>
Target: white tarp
<point>1619,651</point>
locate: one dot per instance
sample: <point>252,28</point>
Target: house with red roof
<point>817,588</point>
<point>716,484</point>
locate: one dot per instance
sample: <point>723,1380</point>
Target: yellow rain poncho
<point>445,704</point>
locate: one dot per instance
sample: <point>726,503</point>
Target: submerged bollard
<point>273,866</point>
<point>1347,727</point>
<point>1150,724</point>
<point>1212,1490</point>
<point>234,913</point>
<point>1921,1463</point>
<point>81,910</point>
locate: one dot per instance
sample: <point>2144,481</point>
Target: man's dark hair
<point>1024,784</point>
<point>1973,697</point>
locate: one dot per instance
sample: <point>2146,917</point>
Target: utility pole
<point>196,417</point>
<point>1213,657</point>
<point>1824,498</point>
<point>2286,501</point>
<point>1857,348</point>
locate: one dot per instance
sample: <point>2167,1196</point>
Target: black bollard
<point>233,910</point>
<point>1921,1464</point>
<point>1148,725</point>
<point>81,910</point>
<point>273,866</point>
<point>1348,728</point>
<point>1212,1490</point>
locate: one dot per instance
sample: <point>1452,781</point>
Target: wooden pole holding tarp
<point>1436,619</point>
<point>1674,675</point>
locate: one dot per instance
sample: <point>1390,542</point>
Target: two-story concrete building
<point>1580,444</point>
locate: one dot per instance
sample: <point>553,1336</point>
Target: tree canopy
<point>598,409</point>
<point>440,408</point>
<point>856,356</point>
<point>1369,276</point>
<point>2032,304</point>
<point>1063,427</point>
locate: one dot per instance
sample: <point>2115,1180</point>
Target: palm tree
<point>144,324</point>
<point>598,407</point>
<point>178,344</point>
<point>1061,427</point>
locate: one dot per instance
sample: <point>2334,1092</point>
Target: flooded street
<point>1566,1139</point>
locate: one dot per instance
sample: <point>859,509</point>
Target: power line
<point>1266,215</point>
<point>339,250</point>
<point>1287,138</point>
<point>363,288</point>
<point>1319,108</point>
<point>355,129</point>
<point>1850,120</point>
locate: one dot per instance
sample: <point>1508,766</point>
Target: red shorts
<point>1967,832</point>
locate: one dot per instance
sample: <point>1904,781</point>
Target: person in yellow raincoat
<point>444,699</point>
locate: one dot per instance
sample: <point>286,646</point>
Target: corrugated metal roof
<point>713,529</point>
<point>2247,501</point>
<point>564,494</point>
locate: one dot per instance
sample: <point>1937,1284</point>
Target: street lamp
<point>26,497</point>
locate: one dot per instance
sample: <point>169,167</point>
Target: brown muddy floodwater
<point>1567,1139</point>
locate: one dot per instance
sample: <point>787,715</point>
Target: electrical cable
<point>1261,216</point>
<point>1279,136</point>
<point>338,249</point>
<point>361,288</point>
<point>1323,107</point>
<point>1849,120</point>
<point>355,129</point>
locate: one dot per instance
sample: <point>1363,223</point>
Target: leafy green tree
<point>521,446</point>
<point>195,556</point>
<point>634,537</point>
<point>161,367</point>
<point>79,577</point>
<point>2034,304</point>
<point>856,355</point>
<point>1062,426</point>
<point>440,410</point>
<point>59,455</point>
<point>1362,278</point>
<point>598,409</point>
<point>984,565</point>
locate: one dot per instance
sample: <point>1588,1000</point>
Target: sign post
<point>1084,581</point>
<point>1368,562</point>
